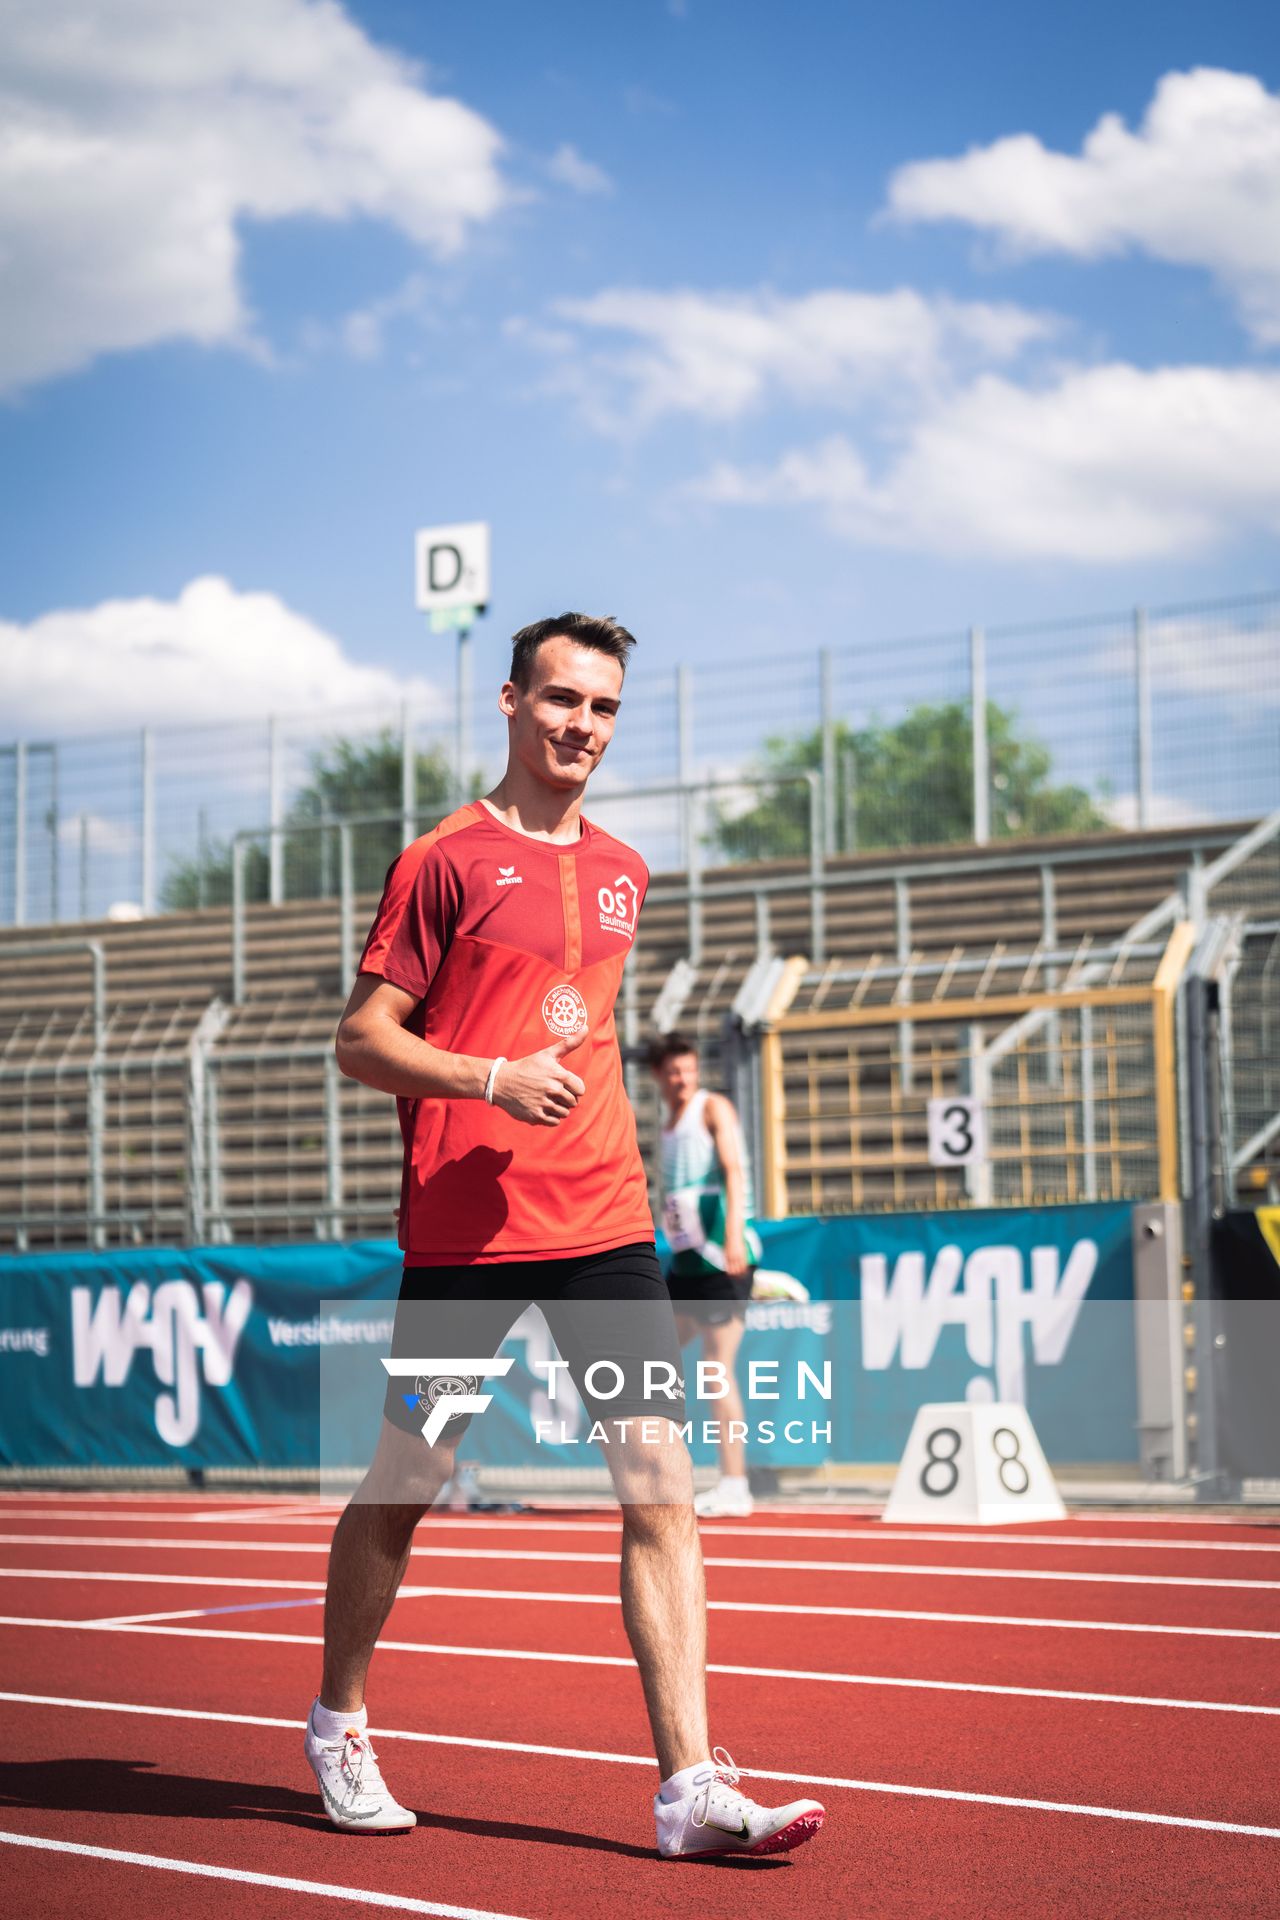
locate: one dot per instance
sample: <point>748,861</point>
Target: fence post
<point>201,1136</point>
<point>1088,1108</point>
<point>978,722</point>
<point>817,869</point>
<point>462,718</point>
<point>237,921</point>
<point>1049,939</point>
<point>826,696</point>
<point>96,1128</point>
<point>978,1179</point>
<point>630,1028</point>
<point>333,1145</point>
<point>20,834</point>
<point>202,856</point>
<point>849,799</point>
<point>1142,671</point>
<point>148,822</point>
<point>408,778</point>
<point>55,878</point>
<point>346,904</point>
<point>84,866</point>
<point>215,1224</point>
<point>902,938</point>
<point>96,1102</point>
<point>690,827</point>
<point>275,806</point>
<point>773,1172</point>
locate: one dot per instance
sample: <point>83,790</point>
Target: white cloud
<point>363,330</point>
<point>1109,464</point>
<point>1231,656</point>
<point>211,654</point>
<point>720,355</point>
<point>99,834</point>
<point>569,167</point>
<point>1164,810</point>
<point>1197,184</point>
<point>137,135</point>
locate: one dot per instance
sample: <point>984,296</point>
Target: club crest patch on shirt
<point>565,1012</point>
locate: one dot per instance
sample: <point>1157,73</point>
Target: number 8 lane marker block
<point>976,1461</point>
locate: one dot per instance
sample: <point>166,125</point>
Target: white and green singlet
<point>693,1193</point>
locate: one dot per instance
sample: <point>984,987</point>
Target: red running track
<point>159,1760</point>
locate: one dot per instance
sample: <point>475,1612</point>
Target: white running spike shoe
<point>714,1818</point>
<point>724,1503</point>
<point>356,1797</point>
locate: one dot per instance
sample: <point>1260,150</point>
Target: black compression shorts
<point>711,1297</point>
<point>611,1306</point>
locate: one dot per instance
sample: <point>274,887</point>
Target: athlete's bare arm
<point>722,1125</point>
<point>373,1046</point>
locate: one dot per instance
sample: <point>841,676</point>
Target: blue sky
<point>673,304</point>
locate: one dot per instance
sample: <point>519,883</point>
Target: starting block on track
<point>974,1460</point>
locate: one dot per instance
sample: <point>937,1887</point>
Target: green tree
<point>348,778</point>
<point>908,784</point>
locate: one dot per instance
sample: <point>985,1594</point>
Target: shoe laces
<point>721,1773</point>
<point>355,1755</point>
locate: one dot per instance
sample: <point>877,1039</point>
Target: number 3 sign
<point>974,1460</point>
<point>957,1133</point>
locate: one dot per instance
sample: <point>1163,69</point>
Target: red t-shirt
<point>508,944</point>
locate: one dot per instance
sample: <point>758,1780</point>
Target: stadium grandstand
<point>174,1077</point>
<point>863,927</point>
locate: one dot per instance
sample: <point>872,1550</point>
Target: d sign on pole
<point>451,580</point>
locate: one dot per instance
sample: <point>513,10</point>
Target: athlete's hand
<point>736,1258</point>
<point>540,1089</point>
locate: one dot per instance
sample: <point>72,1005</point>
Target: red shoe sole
<point>793,1836</point>
<point>785,1841</point>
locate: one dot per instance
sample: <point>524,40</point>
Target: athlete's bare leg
<point>664,1595</point>
<point>370,1551</point>
<point>720,1344</point>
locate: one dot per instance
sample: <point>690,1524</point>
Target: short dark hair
<point>669,1046</point>
<point>599,631</point>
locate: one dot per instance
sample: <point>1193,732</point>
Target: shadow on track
<point>132,1787</point>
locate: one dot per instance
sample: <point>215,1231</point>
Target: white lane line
<point>150,1624</point>
<point>525,1524</point>
<point>164,1579</point>
<point>156,1507</point>
<point>1125,1515</point>
<point>360,1896</point>
<point>507,1594</point>
<point>940,1571</point>
<point>645,1760</point>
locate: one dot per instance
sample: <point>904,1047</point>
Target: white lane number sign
<point>957,1132</point>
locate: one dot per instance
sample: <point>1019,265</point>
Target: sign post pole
<point>451,568</point>
<point>462,761</point>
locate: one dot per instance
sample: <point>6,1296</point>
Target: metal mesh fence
<point>1070,1114</point>
<point>1150,718</point>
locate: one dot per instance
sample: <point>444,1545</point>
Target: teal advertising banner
<point>212,1357</point>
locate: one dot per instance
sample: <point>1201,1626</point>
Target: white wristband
<point>492,1081</point>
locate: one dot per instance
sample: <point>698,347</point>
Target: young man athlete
<point>484,1002</point>
<point>706,1212</point>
